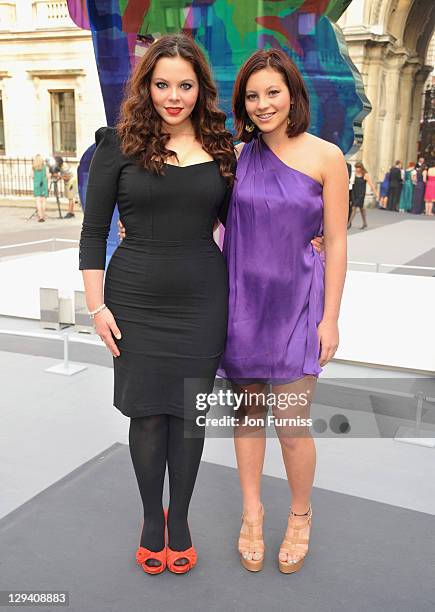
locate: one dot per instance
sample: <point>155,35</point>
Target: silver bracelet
<point>96,311</point>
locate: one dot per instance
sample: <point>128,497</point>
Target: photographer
<point>66,173</point>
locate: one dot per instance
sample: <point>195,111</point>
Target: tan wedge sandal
<point>292,545</point>
<point>251,541</point>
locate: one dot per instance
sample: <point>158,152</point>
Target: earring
<point>289,121</point>
<point>250,127</point>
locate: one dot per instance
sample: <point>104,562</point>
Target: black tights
<point>154,442</point>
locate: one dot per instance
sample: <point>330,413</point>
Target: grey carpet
<point>81,533</point>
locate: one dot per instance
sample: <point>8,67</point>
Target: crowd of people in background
<point>402,190</point>
<point>409,190</point>
<point>44,174</point>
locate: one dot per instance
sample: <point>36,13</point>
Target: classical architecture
<point>388,41</point>
<point>50,98</point>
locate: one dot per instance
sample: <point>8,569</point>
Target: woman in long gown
<point>407,193</point>
<point>383,192</point>
<point>419,187</point>
<point>429,193</point>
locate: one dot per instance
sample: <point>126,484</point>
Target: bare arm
<point>335,213</point>
<point>372,185</point>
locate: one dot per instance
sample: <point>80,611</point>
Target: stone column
<point>417,104</point>
<point>387,139</point>
<point>405,104</point>
<point>375,55</point>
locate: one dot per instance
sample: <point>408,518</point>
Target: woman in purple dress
<point>284,296</point>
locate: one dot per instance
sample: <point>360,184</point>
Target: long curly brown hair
<point>139,125</point>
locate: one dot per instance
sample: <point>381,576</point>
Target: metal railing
<point>16,177</point>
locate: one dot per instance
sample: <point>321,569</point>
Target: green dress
<point>40,187</point>
<point>407,192</point>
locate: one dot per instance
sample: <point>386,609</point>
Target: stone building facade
<point>50,98</point>
<point>389,42</point>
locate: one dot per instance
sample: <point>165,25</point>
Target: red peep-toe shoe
<point>175,555</point>
<point>143,554</point>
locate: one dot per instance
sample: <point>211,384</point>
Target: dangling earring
<point>250,127</point>
<point>290,123</point>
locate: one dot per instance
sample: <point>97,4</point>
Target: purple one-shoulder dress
<point>276,277</point>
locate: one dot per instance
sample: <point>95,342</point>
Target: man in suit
<point>396,182</point>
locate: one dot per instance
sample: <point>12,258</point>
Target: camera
<point>54,164</point>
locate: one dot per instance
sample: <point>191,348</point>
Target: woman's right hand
<point>105,326</point>
<point>121,230</point>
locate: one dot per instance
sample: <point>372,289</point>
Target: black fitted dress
<point>166,283</point>
<point>359,192</point>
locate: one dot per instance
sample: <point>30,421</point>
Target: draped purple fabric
<point>276,277</point>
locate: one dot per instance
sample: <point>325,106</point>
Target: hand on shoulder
<point>238,148</point>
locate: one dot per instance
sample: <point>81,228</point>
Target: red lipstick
<point>173,110</point>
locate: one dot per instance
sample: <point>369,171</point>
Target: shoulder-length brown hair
<point>279,61</point>
<point>139,125</point>
<point>360,165</point>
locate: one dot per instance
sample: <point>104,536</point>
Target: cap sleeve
<point>100,201</point>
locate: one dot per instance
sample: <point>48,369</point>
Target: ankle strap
<point>308,513</point>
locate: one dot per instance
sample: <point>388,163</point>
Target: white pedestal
<point>66,368</point>
<point>72,368</point>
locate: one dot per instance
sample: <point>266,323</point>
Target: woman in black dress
<point>169,164</point>
<point>420,186</point>
<point>358,193</point>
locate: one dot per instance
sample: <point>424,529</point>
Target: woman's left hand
<point>318,243</point>
<point>121,230</point>
<point>327,332</point>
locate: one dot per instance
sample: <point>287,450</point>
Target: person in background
<point>419,178</point>
<point>362,177</point>
<point>420,163</point>
<point>40,185</point>
<point>70,184</point>
<point>385,185</point>
<point>350,175</point>
<point>429,194</point>
<point>396,182</point>
<point>407,193</point>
